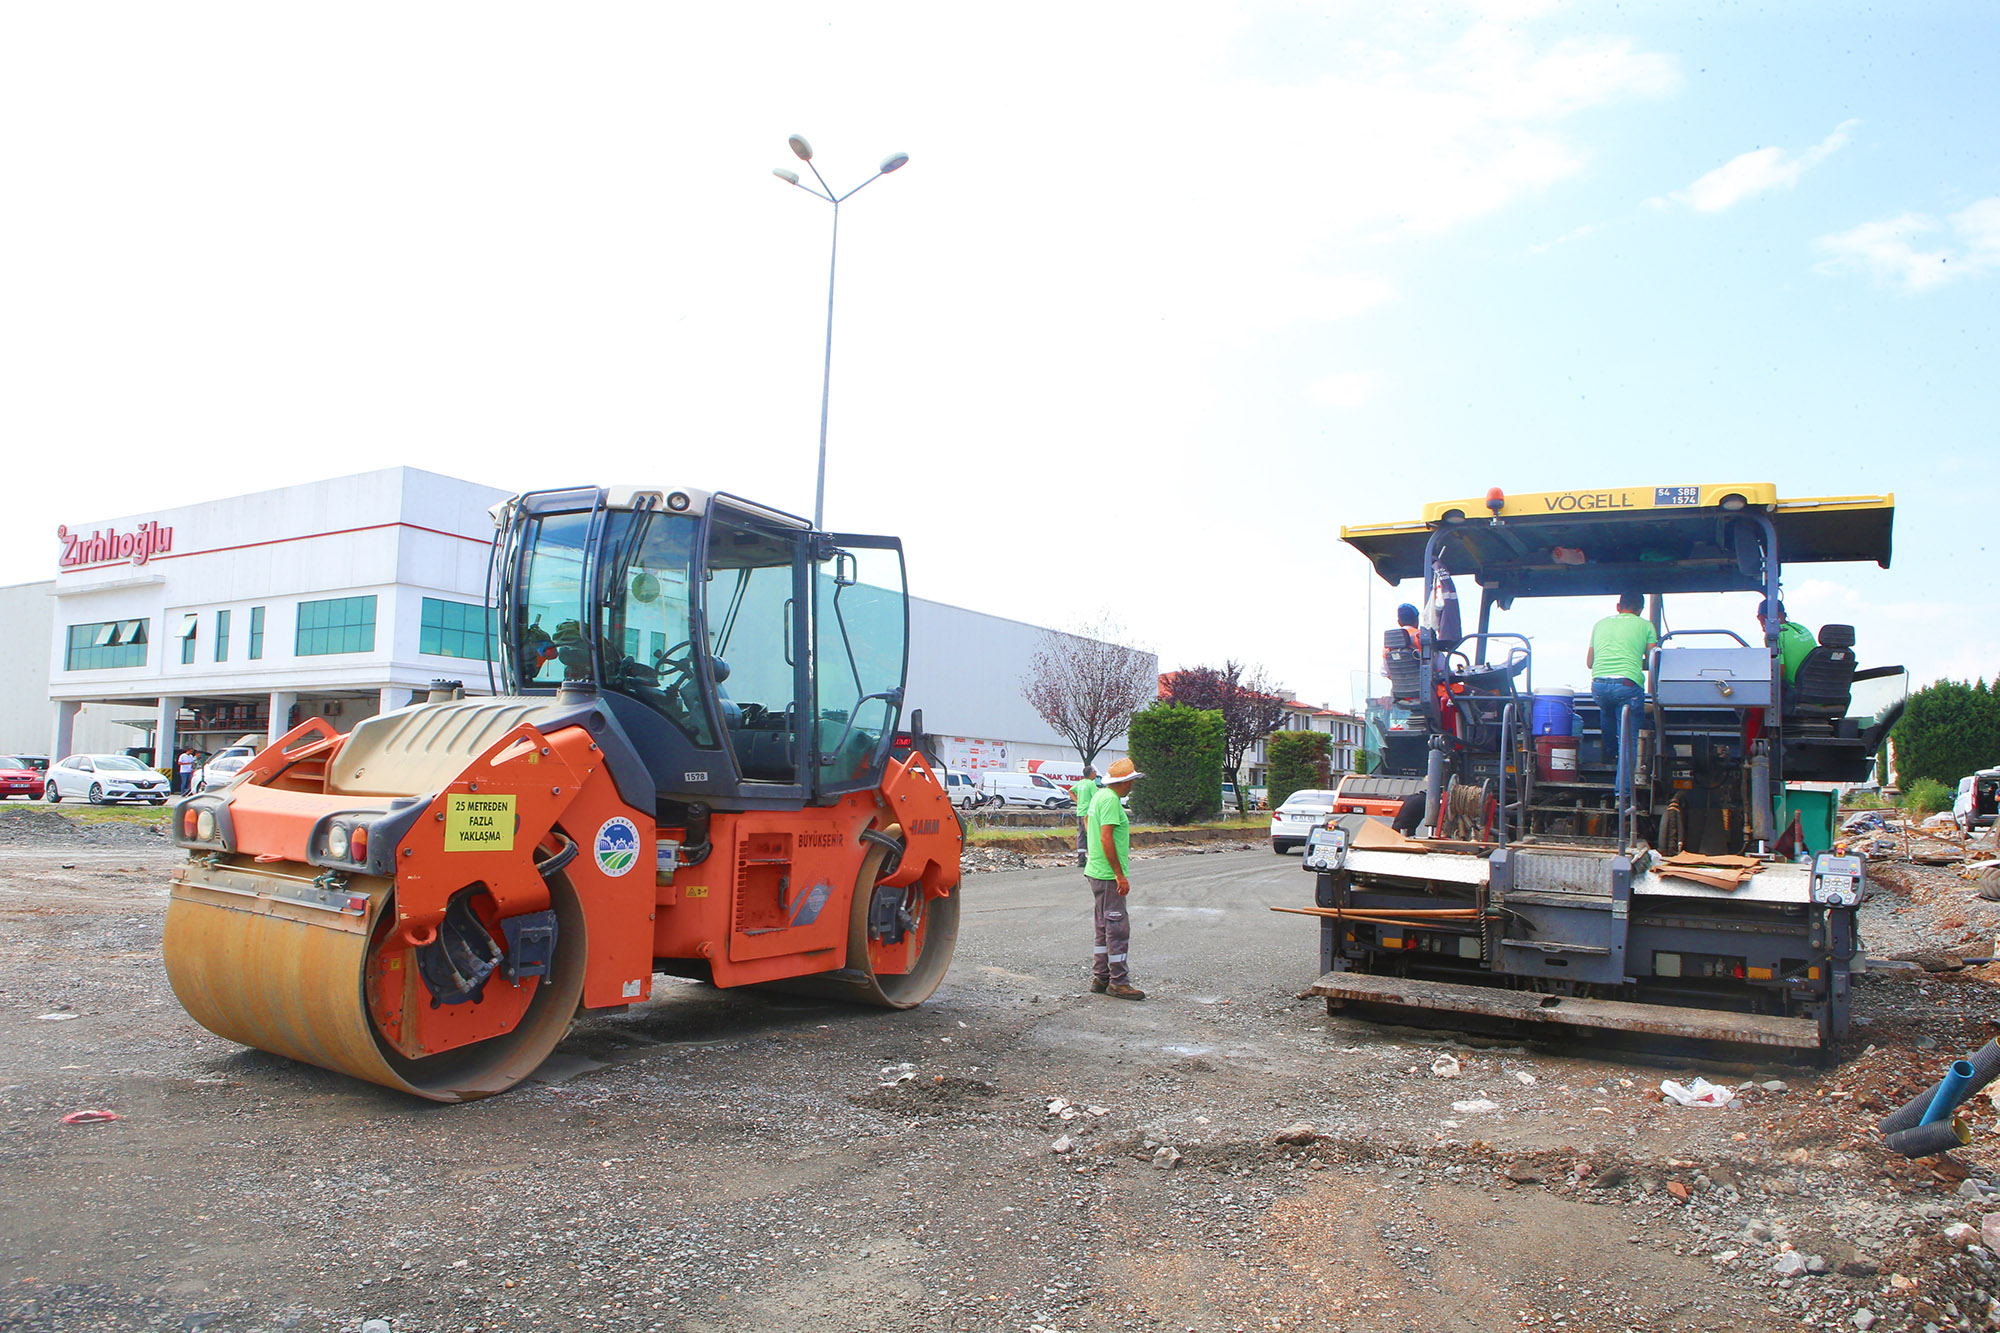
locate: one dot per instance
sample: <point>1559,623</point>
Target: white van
<point>963,789</point>
<point>1022,789</point>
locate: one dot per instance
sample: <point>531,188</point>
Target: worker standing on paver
<point>1617,659</point>
<point>1083,792</point>
<point>1795,642</point>
<point>1110,838</point>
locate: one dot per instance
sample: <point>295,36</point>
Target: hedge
<point>1180,752</point>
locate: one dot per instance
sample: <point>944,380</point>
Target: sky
<point>1165,296</point>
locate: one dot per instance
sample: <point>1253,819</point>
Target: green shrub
<point>1180,752</point>
<point>1298,762</point>
<point>1950,729</point>
<point>1863,800</point>
<point>1926,796</point>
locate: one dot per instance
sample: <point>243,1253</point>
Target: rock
<point>1301,1134</point>
<point>1961,1234</point>
<point>1678,1189</point>
<point>1727,1256</point>
<point>1524,1078</point>
<point>1477,1106</point>
<point>1526,1174</point>
<point>1899,1282</point>
<point>1971,1189</point>
<point>1858,1268</point>
<point>1610,1177</point>
<point>1815,1264</point>
<point>1864,1319</point>
<point>1989,1231</point>
<point>1445,1066</point>
<point>1775,1085</point>
<point>1062,1145</point>
<point>1167,1158</point>
<point>1789,1264</point>
<point>1757,1230</point>
<point>374,1326</point>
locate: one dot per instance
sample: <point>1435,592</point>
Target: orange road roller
<point>692,763</point>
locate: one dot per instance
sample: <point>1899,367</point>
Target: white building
<point>341,598</point>
<point>1344,731</point>
<point>245,615</point>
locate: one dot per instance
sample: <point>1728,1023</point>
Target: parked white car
<point>222,766</point>
<point>1022,789</point>
<point>1293,822</point>
<point>104,778</point>
<point>963,789</point>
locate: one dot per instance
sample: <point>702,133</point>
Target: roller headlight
<point>336,841</point>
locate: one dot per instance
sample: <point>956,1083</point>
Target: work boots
<point>1121,991</point>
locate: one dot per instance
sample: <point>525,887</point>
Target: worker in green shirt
<point>1795,642</point>
<point>1617,661</point>
<point>1081,793</point>
<point>1110,840</point>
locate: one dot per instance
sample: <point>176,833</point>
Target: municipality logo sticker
<point>617,846</point>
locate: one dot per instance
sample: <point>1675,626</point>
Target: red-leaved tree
<point>1249,702</point>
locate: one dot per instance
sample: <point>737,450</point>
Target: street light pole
<point>804,152</point>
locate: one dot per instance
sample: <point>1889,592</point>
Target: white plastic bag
<point>1700,1093</point>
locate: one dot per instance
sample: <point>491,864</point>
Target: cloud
<point>1350,389</point>
<point>1893,253</point>
<point>1757,172</point>
<point>1573,234</point>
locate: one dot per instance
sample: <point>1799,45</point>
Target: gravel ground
<point>1018,1154</point>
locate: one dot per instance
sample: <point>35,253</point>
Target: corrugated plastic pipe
<point>1929,1140</point>
<point>1985,1064</point>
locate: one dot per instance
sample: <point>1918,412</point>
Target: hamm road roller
<point>691,765</point>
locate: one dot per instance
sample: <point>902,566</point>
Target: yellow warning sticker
<point>696,891</point>
<point>478,823</point>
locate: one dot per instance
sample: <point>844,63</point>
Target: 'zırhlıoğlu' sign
<point>106,545</point>
<point>476,823</point>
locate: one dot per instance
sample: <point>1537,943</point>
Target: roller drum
<point>267,958</point>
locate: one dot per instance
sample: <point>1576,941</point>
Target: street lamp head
<point>801,147</point>
<point>789,177</point>
<point>894,161</point>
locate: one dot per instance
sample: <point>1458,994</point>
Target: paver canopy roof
<point>1637,539</point>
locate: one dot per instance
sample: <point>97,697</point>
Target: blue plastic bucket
<point>1554,713</point>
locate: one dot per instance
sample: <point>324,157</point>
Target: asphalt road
<point>730,1161</point>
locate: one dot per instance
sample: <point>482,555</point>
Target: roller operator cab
<point>1688,882</point>
<point>691,764</point>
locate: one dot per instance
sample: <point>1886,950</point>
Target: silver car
<point>104,778</point>
<point>1293,822</point>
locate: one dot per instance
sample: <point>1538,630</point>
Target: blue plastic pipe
<point>1949,1092</point>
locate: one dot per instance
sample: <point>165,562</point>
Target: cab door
<point>861,633</point>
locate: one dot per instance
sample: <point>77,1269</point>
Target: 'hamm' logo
<point>617,846</point>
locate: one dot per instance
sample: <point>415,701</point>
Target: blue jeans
<point>1612,695</point>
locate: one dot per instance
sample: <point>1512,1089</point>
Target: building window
<point>222,636</point>
<point>109,643</point>
<point>256,632</point>
<point>337,625</point>
<point>457,629</point>
<point>189,624</point>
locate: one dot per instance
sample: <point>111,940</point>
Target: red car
<point>17,779</point>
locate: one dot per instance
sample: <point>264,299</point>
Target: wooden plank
<point>1528,1007</point>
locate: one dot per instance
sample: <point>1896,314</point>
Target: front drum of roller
<point>266,958</point>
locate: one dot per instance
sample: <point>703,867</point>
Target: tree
<point>1250,705</point>
<point>1179,750</point>
<point>1299,762</point>
<point>1086,685</point>
<point>1949,729</point>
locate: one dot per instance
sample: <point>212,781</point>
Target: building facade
<point>238,618</point>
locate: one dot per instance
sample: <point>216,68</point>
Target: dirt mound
<point>33,826</point>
